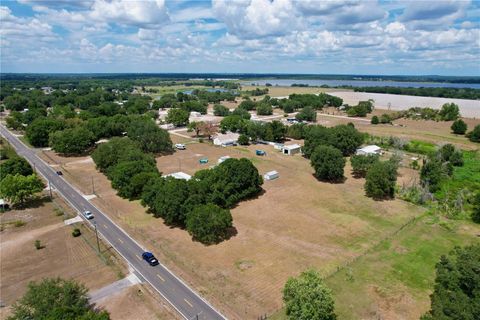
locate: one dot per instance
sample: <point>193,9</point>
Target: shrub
<point>381,179</point>
<point>459,127</point>
<point>19,223</point>
<point>307,114</point>
<point>449,112</point>
<point>243,140</point>
<point>474,135</point>
<point>76,232</point>
<point>264,109</point>
<point>374,120</point>
<point>307,298</point>
<point>38,245</point>
<point>209,223</point>
<point>385,118</point>
<point>328,163</point>
<point>220,110</point>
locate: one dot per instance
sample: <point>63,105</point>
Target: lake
<point>362,83</point>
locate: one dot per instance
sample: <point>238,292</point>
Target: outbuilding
<point>179,175</point>
<point>221,159</point>
<point>227,139</point>
<point>369,150</point>
<point>291,149</point>
<point>271,175</point>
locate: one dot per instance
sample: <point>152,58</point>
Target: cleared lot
<point>297,223</point>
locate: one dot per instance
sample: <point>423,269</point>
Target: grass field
<point>297,223</point>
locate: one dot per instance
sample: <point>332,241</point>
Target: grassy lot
<point>285,91</point>
<point>298,222</point>
<point>172,89</point>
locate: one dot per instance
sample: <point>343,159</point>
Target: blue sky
<point>236,36</point>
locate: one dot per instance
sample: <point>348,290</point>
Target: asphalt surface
<point>183,299</point>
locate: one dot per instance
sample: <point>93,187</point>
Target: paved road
<point>186,301</point>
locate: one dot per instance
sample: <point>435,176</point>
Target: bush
<point>447,153</point>
<point>474,135</point>
<point>449,112</point>
<point>76,232</point>
<point>432,174</point>
<point>38,245</point>
<point>209,223</point>
<point>361,164</point>
<point>264,109</point>
<point>328,163</point>
<point>385,118</point>
<point>381,179</point>
<point>19,223</point>
<point>220,110</point>
<point>459,127</point>
<point>307,114</point>
<point>307,298</point>
<point>374,120</point>
<point>243,140</point>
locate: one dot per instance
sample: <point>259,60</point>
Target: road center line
<point>105,226</point>
<point>191,306</point>
<point>160,277</point>
<point>121,241</point>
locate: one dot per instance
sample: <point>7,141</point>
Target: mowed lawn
<point>295,224</point>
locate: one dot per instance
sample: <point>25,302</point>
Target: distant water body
<point>362,83</point>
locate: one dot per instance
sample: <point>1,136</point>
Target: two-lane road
<point>186,301</point>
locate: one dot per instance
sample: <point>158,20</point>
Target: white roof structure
<point>291,147</point>
<point>271,175</point>
<point>180,175</point>
<point>227,138</point>
<point>221,159</point>
<point>372,149</point>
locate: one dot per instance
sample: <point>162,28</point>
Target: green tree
<point>220,110</point>
<point>233,123</point>
<point>168,198</point>
<point>456,292</point>
<point>374,120</point>
<point>381,179</point>
<point>296,131</point>
<point>474,135</point>
<point>39,130</point>
<point>122,174</point>
<point>432,174</point>
<point>195,126</point>
<point>264,109</point>
<point>243,140</point>
<point>328,163</point>
<point>17,189</point>
<point>459,126</point>
<point>345,138</point>
<point>274,131</point>
<point>244,114</point>
<point>247,105</point>
<point>56,299</point>
<point>307,114</point>
<point>209,223</point>
<point>72,141</point>
<point>449,112</point>
<point>308,298</point>
<point>448,153</point>
<point>314,137</point>
<point>107,155</point>
<point>149,136</point>
<point>15,165</point>
<point>178,117</point>
<point>362,163</point>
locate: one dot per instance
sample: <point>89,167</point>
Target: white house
<point>179,175</point>
<point>271,175</point>
<point>224,140</point>
<point>291,149</point>
<point>369,150</point>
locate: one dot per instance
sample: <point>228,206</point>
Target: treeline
<point>200,205</point>
<point>456,93</point>
<point>18,182</point>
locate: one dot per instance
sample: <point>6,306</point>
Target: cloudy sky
<point>279,36</point>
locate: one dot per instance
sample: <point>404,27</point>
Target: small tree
<point>56,299</point>
<point>307,298</point>
<point>449,112</point>
<point>459,126</point>
<point>456,293</point>
<point>220,110</point>
<point>209,223</point>
<point>328,163</point>
<point>178,117</point>
<point>381,179</point>
<point>474,135</point>
<point>264,109</point>
<point>432,173</point>
<point>243,140</point>
<point>17,189</point>
<point>361,164</point>
<point>307,114</point>
<point>374,120</point>
<point>195,126</point>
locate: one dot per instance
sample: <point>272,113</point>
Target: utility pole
<point>50,189</point>
<point>93,187</point>
<point>96,234</point>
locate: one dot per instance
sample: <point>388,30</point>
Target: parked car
<point>88,215</point>
<point>150,258</point>
<point>59,173</point>
<point>180,146</point>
